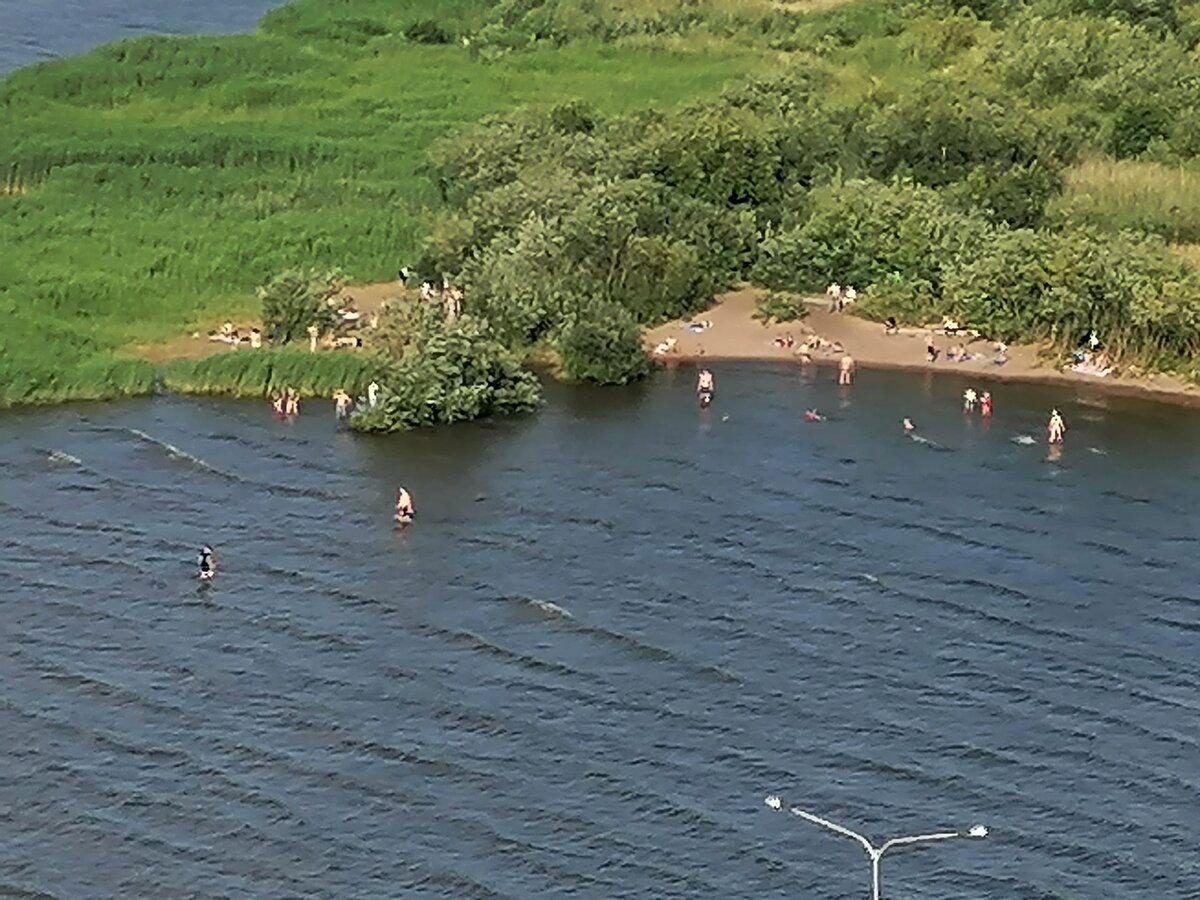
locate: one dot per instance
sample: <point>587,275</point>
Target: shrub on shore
<point>439,372</point>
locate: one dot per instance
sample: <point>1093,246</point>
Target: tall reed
<point>260,373</point>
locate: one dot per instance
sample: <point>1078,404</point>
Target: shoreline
<point>735,336</point>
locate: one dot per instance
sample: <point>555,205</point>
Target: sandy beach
<point>733,334</point>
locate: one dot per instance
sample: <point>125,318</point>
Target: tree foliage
<point>439,372</point>
<point>294,301</point>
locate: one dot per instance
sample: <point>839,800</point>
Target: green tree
<point>1138,122</point>
<point>861,232</point>
<point>293,301</point>
<point>443,372</point>
<point>602,343</point>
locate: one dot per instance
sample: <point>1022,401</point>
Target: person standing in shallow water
<point>1056,427</point>
<point>985,404</point>
<point>342,402</point>
<point>404,504</point>
<point>846,370</point>
<point>969,398</point>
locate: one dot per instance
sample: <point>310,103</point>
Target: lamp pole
<point>876,853</point>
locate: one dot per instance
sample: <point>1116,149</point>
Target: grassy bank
<point>147,187</point>
<point>261,373</point>
<point>150,185</point>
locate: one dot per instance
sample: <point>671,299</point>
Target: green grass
<point>1128,194</point>
<point>260,373</point>
<point>149,185</point>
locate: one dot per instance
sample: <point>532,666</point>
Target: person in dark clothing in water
<point>208,563</point>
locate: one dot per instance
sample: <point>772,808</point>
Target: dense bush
<point>861,232</point>
<point>428,31</point>
<point>602,343</point>
<point>440,372</point>
<point>295,301</point>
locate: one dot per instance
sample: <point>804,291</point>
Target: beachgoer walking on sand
<point>985,404</point>
<point>846,370</point>
<point>931,350</point>
<point>969,398</point>
<point>1056,427</point>
<point>313,333</point>
<point>342,402</point>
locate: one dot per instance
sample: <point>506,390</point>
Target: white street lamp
<point>876,853</point>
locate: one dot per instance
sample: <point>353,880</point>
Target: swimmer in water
<point>342,402</point>
<point>985,404</point>
<point>1056,427</point>
<point>705,383</point>
<point>811,415</point>
<point>969,398</point>
<point>207,562</point>
<point>908,426</point>
<point>404,504</point>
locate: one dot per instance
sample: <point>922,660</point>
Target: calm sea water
<point>615,627</point>
<point>36,30</point>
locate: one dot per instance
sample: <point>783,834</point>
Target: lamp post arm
<point>839,829</point>
<point>918,839</point>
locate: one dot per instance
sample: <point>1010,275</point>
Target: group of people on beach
<point>840,296</point>
<point>228,334</point>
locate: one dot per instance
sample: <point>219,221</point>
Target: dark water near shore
<point>616,626</point>
<point>36,30</point>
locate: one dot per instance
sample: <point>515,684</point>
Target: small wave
<point>926,442</point>
<point>178,453</point>
<point>637,645</point>
<point>58,456</point>
<point>1024,439</point>
<point>551,609</point>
